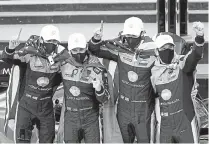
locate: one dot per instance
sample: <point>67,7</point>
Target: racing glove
<point>34,45</point>
<point>198,27</point>
<point>97,84</point>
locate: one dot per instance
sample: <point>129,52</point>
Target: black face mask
<point>133,42</point>
<point>166,55</point>
<point>79,57</point>
<point>50,47</point>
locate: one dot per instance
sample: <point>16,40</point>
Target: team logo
<point>76,40</point>
<point>166,94</point>
<point>130,26</point>
<point>53,33</point>
<point>132,76</point>
<point>43,81</point>
<point>75,91</point>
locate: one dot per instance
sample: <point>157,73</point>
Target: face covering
<point>133,42</point>
<point>166,55</point>
<point>79,57</point>
<point>50,47</point>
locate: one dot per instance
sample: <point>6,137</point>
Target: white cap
<point>161,40</point>
<point>50,32</point>
<point>76,40</point>
<point>133,26</point>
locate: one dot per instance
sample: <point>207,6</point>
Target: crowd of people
<point>151,87</point>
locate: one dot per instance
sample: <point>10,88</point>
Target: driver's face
<point>167,46</point>
<point>78,50</point>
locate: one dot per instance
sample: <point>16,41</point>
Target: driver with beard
<point>172,79</point>
<point>85,87</point>
<point>39,82</point>
<point>135,99</point>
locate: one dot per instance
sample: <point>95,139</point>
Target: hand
<point>98,34</point>
<point>13,43</point>
<point>97,84</point>
<point>198,27</point>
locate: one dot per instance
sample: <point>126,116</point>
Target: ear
<point>142,33</point>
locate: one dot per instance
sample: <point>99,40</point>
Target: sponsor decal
<point>75,91</point>
<point>53,33</point>
<point>96,70</point>
<point>130,25</point>
<point>128,59</point>
<point>132,76</point>
<point>78,98</point>
<point>86,74</point>
<point>164,113</point>
<point>38,88</point>
<point>133,85</point>
<point>42,81</point>
<point>169,103</point>
<point>74,73</point>
<point>166,94</point>
<point>143,62</point>
<point>6,71</point>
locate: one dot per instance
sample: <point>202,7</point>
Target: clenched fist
<point>198,27</point>
<point>13,43</point>
<point>98,34</point>
<point>97,84</point>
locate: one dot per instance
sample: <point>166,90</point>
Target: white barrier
<point>19,2</point>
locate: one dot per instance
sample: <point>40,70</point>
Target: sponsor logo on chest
<point>166,94</point>
<point>132,76</point>
<point>42,81</point>
<point>75,91</point>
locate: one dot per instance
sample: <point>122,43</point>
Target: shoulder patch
<point>97,70</point>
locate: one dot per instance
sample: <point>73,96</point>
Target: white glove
<point>13,43</point>
<point>198,27</point>
<point>98,34</point>
<point>97,84</point>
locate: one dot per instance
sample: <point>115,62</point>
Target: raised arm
<point>190,61</point>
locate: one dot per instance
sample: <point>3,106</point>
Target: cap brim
<point>165,44</point>
<point>130,32</point>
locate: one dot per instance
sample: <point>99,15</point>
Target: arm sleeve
<point>103,95</point>
<point>58,79</point>
<point>190,61</point>
<point>97,48</point>
<point>10,56</point>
